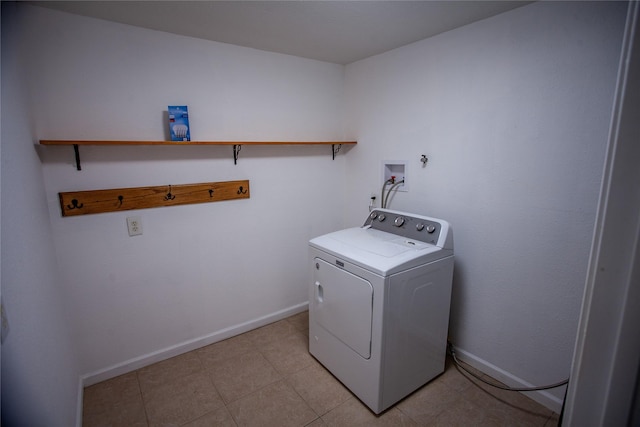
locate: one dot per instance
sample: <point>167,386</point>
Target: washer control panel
<point>417,228</point>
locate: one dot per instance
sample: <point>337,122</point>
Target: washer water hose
<point>459,365</point>
<point>384,200</point>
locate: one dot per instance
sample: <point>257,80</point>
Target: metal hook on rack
<point>242,191</point>
<point>211,192</point>
<point>120,199</point>
<point>169,196</point>
<point>74,205</point>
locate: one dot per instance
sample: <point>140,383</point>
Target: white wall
<point>39,357</point>
<point>199,272</point>
<point>513,113</point>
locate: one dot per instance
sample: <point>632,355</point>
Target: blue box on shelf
<point>179,123</point>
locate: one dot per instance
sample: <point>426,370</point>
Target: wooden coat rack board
<point>122,199</point>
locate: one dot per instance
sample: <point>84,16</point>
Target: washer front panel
<point>342,303</point>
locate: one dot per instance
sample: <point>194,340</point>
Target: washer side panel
<point>416,321</point>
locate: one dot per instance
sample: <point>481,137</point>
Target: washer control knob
<point>419,226</point>
<point>398,221</point>
<point>381,217</point>
<point>431,228</point>
<point>373,215</point>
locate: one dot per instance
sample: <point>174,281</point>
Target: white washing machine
<point>379,304</point>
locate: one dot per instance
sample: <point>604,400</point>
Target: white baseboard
<point>184,347</point>
<point>543,397</point>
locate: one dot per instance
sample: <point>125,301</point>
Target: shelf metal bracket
<point>76,151</point>
<point>335,148</point>
<point>236,151</point>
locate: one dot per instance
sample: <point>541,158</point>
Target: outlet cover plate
<point>134,225</point>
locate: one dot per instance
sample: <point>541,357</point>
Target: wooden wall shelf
<point>113,142</point>
<point>237,145</point>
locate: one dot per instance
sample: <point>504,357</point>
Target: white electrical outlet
<point>134,225</point>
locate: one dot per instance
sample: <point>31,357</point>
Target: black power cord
<point>452,351</point>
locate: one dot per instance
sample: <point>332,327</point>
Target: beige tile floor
<point>266,377</point>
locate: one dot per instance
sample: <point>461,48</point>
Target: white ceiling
<point>333,31</point>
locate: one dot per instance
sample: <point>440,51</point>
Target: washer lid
<point>378,242</point>
<point>381,252</point>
